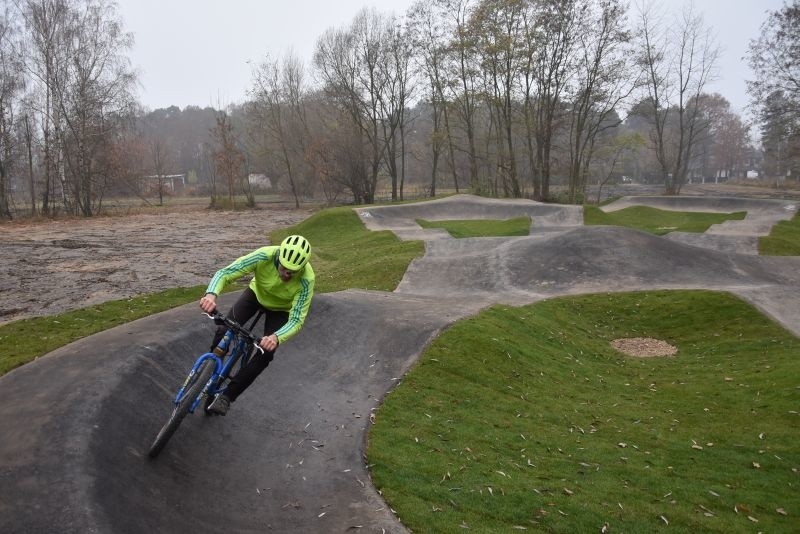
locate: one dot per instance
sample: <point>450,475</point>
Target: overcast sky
<point>199,52</point>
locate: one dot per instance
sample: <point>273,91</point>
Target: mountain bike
<point>209,375</point>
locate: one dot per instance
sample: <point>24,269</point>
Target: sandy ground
<point>50,267</point>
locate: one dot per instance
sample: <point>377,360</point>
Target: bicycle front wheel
<point>193,388</point>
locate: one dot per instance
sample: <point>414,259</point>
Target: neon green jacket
<point>273,293</point>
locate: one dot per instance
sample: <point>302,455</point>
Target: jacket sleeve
<point>242,266</point>
<point>297,315</point>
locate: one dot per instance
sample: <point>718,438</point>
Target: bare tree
<point>278,109</point>
<point>46,24</point>
<point>97,94</point>
<point>602,83</point>
<point>397,88</point>
<point>499,30</point>
<point>11,84</point>
<point>611,157</point>
<point>160,158</point>
<point>228,159</point>
<point>348,62</point>
<point>463,75</point>
<point>550,36</point>
<point>730,147</point>
<point>81,90</point>
<point>774,58</point>
<point>28,136</point>
<point>679,61</point>
<point>430,46</point>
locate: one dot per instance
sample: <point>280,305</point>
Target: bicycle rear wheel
<point>193,388</point>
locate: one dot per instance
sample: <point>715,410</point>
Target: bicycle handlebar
<point>236,327</point>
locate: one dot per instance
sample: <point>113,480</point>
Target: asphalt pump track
<point>75,425</point>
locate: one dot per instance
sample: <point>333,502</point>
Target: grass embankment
<point>783,239</point>
<point>345,255</point>
<point>527,418</point>
<point>24,340</point>
<point>656,221</point>
<point>481,228</point>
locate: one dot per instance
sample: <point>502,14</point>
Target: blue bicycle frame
<point>221,369</point>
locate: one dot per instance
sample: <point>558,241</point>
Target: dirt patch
<point>644,347</point>
<point>49,267</point>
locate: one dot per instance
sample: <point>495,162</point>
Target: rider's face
<point>285,273</point>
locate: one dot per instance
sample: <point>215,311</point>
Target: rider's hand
<point>208,303</point>
<point>269,343</point>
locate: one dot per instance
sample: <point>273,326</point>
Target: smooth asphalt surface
<point>76,424</point>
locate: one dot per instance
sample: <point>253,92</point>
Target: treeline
<point>498,97</point>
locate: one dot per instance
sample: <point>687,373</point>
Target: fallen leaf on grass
<point>781,511</point>
<point>706,511</point>
<point>664,519</point>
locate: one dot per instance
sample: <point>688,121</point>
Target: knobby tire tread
<point>182,409</point>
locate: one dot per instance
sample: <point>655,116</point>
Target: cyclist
<point>282,286</point>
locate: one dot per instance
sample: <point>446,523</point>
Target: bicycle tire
<point>182,409</point>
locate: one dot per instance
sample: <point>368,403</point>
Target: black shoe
<point>220,405</point>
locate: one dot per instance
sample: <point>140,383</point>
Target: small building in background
<point>261,181</point>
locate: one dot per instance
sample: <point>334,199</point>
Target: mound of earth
<point>644,347</point>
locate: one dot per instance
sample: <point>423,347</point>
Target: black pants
<point>242,311</point>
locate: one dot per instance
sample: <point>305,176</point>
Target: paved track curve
<point>75,425</point>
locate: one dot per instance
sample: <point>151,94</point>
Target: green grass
<point>656,221</point>
<point>783,239</point>
<point>345,255</point>
<point>526,417</point>
<point>481,228</point>
<point>27,339</point>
